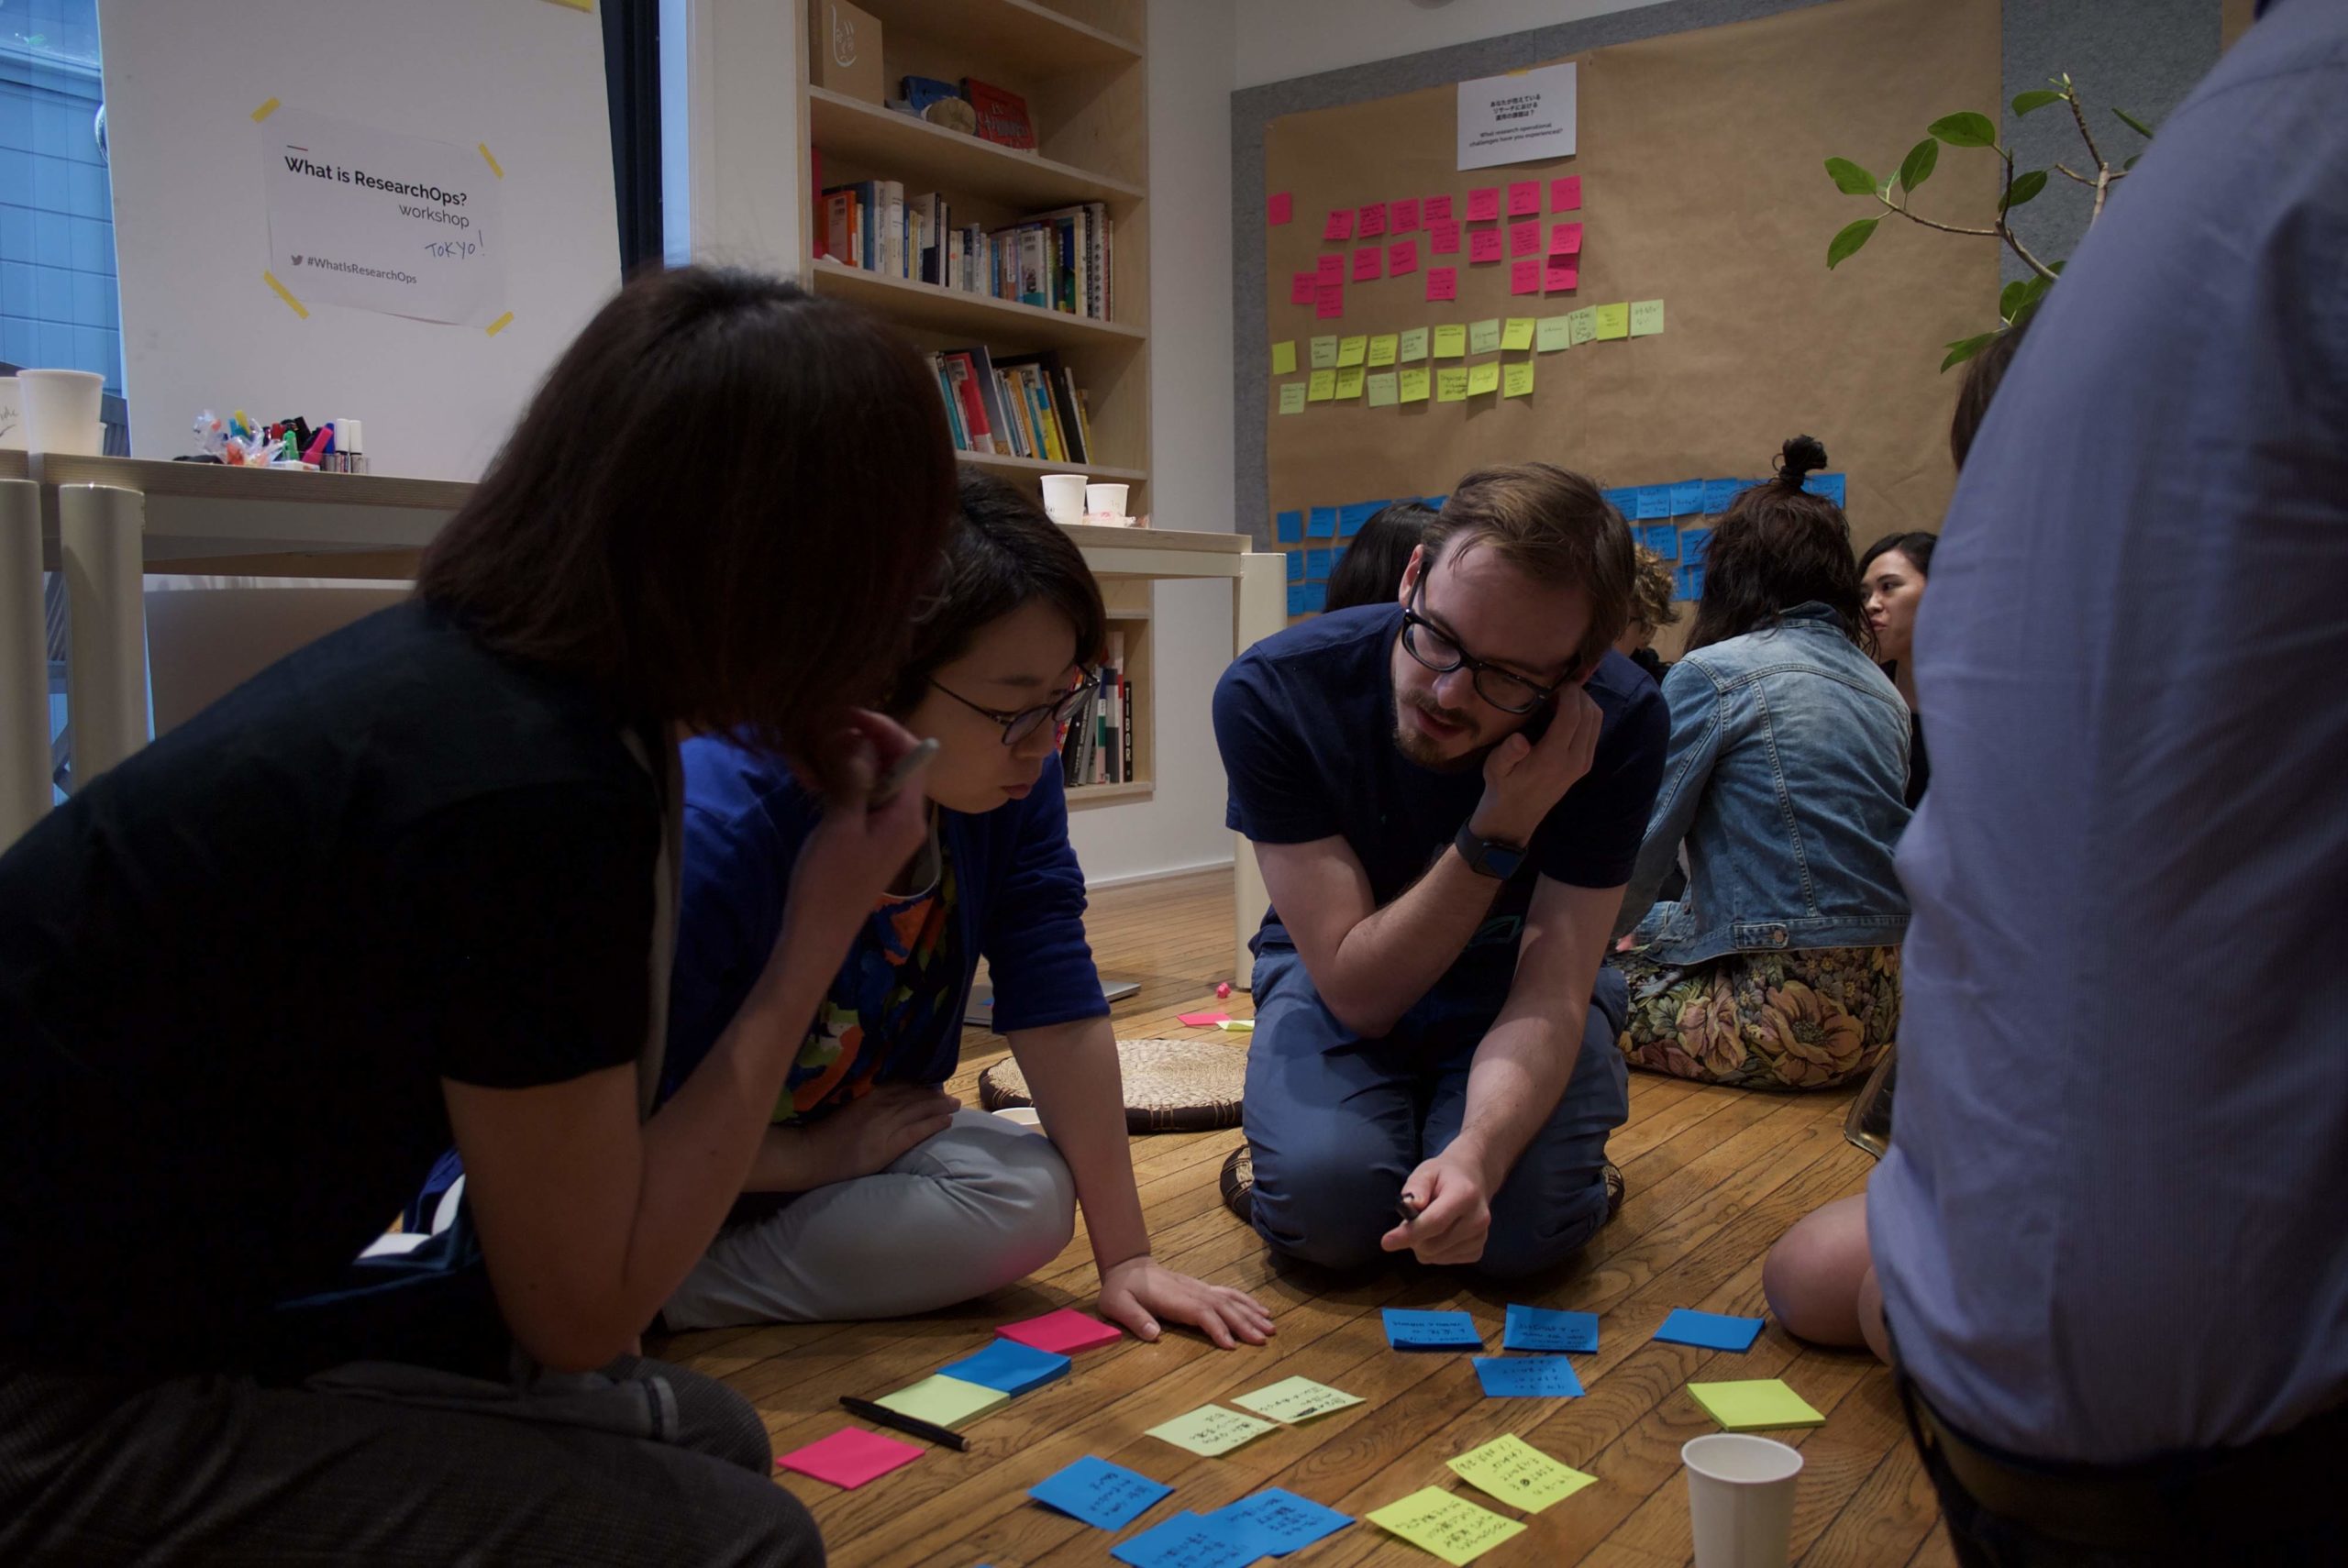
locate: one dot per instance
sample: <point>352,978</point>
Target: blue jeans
<point>1337,1123</point>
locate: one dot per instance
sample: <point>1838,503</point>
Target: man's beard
<point>1423,749</point>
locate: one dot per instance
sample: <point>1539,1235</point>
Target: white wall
<point>1281,39</point>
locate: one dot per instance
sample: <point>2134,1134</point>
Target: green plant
<point>2019,298</point>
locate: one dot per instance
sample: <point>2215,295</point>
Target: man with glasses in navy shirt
<point>1447,795</point>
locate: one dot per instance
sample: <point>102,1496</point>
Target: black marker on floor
<point>942,1436</point>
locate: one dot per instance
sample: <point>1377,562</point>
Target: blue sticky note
<point>1540,1329</point>
<point>1105,1496</point>
<point>1624,500</point>
<point>1830,486</point>
<point>1323,523</point>
<point>1274,1522</point>
<point>1527,1377</point>
<point>1718,493</point>
<point>1693,543</point>
<point>1663,538</point>
<point>1317,596</point>
<point>1655,503</point>
<point>1351,518</point>
<point>1296,598</point>
<point>1407,1329</point>
<point>1187,1540</point>
<point>1317,562</point>
<point>1010,1367</point>
<point>1295,565</point>
<point>1291,527</point>
<point>1686,497</point>
<point>1689,584</point>
<point>1712,1331</point>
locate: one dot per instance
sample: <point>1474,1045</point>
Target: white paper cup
<point>62,411</point>
<point>1105,504</point>
<point>1064,497</point>
<point>12,416</point>
<point>1741,1499</point>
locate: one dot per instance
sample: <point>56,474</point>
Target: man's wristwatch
<point>1488,856</point>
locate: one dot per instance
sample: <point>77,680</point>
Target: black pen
<point>941,1436</point>
<point>1408,1208</point>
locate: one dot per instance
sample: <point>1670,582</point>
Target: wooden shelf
<point>1109,794</point>
<point>1006,463</point>
<point>921,154</point>
<point>999,323</point>
<point>1040,38</point>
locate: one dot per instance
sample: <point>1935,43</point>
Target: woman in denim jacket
<point>1786,782</point>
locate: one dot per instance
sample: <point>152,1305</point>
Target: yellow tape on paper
<point>500,325</point>
<point>493,169</point>
<point>266,110</point>
<point>285,293</point>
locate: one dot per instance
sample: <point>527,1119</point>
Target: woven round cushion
<point>1171,1086</point>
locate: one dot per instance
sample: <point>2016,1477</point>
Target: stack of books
<point>1099,746</point>
<point>1061,260</point>
<point>1025,405</point>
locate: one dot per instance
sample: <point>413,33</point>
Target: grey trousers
<point>381,1465</point>
<point>978,1205</point>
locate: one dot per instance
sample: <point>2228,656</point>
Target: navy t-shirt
<point>1305,720</point>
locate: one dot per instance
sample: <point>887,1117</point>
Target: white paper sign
<point>379,221</point>
<point>1519,118</point>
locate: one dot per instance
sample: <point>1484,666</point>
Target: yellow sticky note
<point>1349,381</point>
<point>1445,1524</point>
<point>1758,1403</point>
<point>1520,1475</point>
<point>1516,378</point>
<point>1382,391</point>
<point>1383,347</point>
<point>586,6</point>
<point>1294,1399</point>
<point>1284,357</point>
<point>1324,387</point>
<point>1414,344</point>
<point>943,1401</point>
<point>1210,1429</point>
<point>1517,333</point>
<point>1291,397</point>
<point>1413,385</point>
<point>1647,318</point>
<point>1554,331</point>
<point>1324,353</point>
<point>1484,336</point>
<point>1451,341</point>
<point>1451,384</point>
<point>1351,350</point>
<point>1583,323</point>
<point>1483,378</point>
<point>1613,321</point>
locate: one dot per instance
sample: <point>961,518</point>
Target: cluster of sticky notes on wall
<point>1651,511</point>
<point>1309,563</point>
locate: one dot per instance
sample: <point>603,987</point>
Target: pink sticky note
<point>1301,287</point>
<point>1201,1019</point>
<point>1340,224</point>
<point>1524,197</point>
<point>1483,204</point>
<point>1442,236</point>
<point>1484,244</point>
<point>1565,240</point>
<point>1442,282</point>
<point>1402,257</point>
<point>1565,194</point>
<point>1330,303</point>
<point>1278,207</point>
<point>1435,207</point>
<point>1524,277</point>
<point>1063,1332</point>
<point>1369,261</point>
<point>1525,240</point>
<point>1403,215</point>
<point>850,1457</point>
<point>1329,270</point>
<point>1561,275</point>
<point>1373,220</point>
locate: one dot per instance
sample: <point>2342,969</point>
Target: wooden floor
<point>1715,1176</point>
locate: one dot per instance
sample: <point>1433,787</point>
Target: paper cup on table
<point>62,411</point>
<point>1105,504</point>
<point>1064,497</point>
<point>12,416</point>
<point>1741,1499</point>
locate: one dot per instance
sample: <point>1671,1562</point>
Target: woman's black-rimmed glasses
<point>1018,727</point>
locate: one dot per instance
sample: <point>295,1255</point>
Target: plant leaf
<point>2011,298</point>
<point>2133,124</point>
<point>1966,130</point>
<point>1964,348</point>
<point>2132,162</point>
<point>2025,186</point>
<point>1917,167</point>
<point>1846,244</point>
<point>1849,178</point>
<point>2037,100</point>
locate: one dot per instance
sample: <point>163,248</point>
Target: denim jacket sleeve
<point>1689,691</point>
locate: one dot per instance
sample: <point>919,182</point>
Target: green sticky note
<point>1484,336</point>
<point>1324,353</point>
<point>1516,378</point>
<point>1520,1475</point>
<point>1291,397</point>
<point>1383,392</point>
<point>1584,323</point>
<point>943,1401</point>
<point>1613,321</point>
<point>1451,341</point>
<point>1414,344</point>
<point>1517,333</point>
<point>1284,357</point>
<point>1382,347</point>
<point>1323,388</point>
<point>1350,350</point>
<point>1415,385</point>
<point>1294,1399</point>
<point>1483,378</point>
<point>1451,384</point>
<point>1350,382</point>
<point>1210,1429</point>
<point>1759,1403</point>
<point>1445,1524</point>
<point>1553,333</point>
<point>1647,318</point>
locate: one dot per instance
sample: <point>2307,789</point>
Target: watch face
<point>1503,861</point>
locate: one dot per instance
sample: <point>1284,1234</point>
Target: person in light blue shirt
<point>2109,1229</point>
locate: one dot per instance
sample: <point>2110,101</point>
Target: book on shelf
<point>1025,405</point>
<point>1099,745</point>
<point>1062,261</point>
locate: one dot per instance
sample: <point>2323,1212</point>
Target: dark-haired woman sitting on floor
<point>1789,758</point>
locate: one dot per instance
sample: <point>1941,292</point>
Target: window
<point>59,306</point>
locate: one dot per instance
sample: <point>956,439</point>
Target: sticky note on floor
<point>1412,385</point>
<point>1274,1522</point>
<point>1294,1399</point>
<point>1284,357</point>
<point>1545,1328</point>
<point>1210,1430</point>
<point>1291,397</point>
<point>1520,1475</point>
<point>943,1401</point>
<point>1063,1332</point>
<point>1186,1541</point>
<point>1414,1330</point>
<point>1613,321</point>
<point>1321,387</point>
<point>1483,379</point>
<point>1352,350</point>
<point>1760,1404</point>
<point>1412,345</point>
<point>1552,333</point>
<point>1517,333</point>
<point>1516,378</point>
<point>850,1457</point>
<point>1445,1524</point>
<point>1381,389</point>
<point>1647,318</point>
<point>1200,1020</point>
<point>1105,1496</point>
<point>1484,336</point>
<point>1711,1329</point>
<point>1527,1377</point>
<point>1451,385</point>
<point>1383,348</point>
<point>1009,1365</point>
<point>1450,341</point>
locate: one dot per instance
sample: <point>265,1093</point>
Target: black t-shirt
<point>234,969</point>
<point>1305,720</point>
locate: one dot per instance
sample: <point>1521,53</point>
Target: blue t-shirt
<point>1306,722</point>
